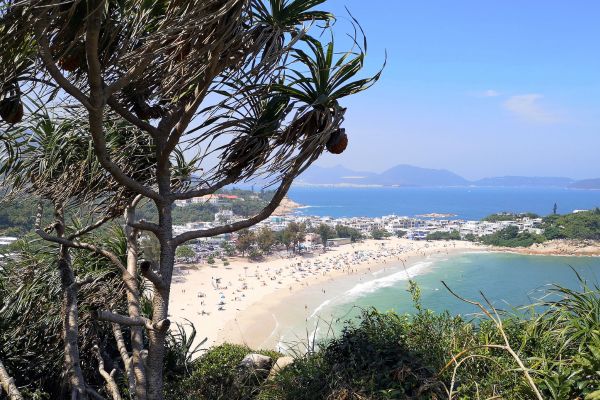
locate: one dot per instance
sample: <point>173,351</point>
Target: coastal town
<point>419,227</point>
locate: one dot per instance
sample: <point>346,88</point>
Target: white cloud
<point>490,93</point>
<point>528,107</point>
<point>486,93</point>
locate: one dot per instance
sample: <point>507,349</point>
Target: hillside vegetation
<point>583,225</point>
<point>17,217</point>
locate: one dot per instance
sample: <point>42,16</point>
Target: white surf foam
<point>364,288</point>
<point>319,308</point>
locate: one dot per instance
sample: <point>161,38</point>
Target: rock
<point>280,364</point>
<point>253,369</point>
<point>256,361</point>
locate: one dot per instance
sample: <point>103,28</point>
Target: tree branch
<point>144,226</point>
<point>121,346</point>
<point>148,273</point>
<point>108,316</point>
<point>98,101</point>
<point>181,126</point>
<point>53,70</point>
<point>128,279</point>
<point>190,110</point>
<point>236,226</point>
<point>122,319</point>
<point>81,245</point>
<point>129,76</point>
<point>111,385</point>
<point>8,384</point>
<point>132,118</point>
<point>127,361</point>
<point>96,130</point>
<point>203,192</point>
<point>89,228</point>
<point>92,38</point>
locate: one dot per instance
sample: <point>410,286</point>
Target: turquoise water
<point>507,280</point>
<point>467,202</point>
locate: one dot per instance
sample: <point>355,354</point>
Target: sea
<point>511,282</point>
<point>468,203</point>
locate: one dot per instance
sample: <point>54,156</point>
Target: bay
<point>511,282</point>
<point>469,203</point>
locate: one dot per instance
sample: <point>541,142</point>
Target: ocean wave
<point>364,288</point>
<point>319,308</point>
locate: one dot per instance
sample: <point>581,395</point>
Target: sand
<point>233,303</point>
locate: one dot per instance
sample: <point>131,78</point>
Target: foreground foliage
<point>101,99</point>
<point>30,315</point>
<point>429,356</point>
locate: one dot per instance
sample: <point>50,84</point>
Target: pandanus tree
<point>224,79</point>
<point>52,158</point>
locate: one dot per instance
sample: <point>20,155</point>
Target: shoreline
<point>224,303</point>
<point>258,298</point>
<point>270,323</point>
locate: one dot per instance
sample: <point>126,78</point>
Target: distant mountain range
<point>408,175</point>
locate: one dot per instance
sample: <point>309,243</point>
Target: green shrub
<point>511,237</point>
<point>370,360</point>
<point>215,376</point>
<point>509,216</point>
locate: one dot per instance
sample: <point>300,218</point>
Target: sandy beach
<point>232,303</point>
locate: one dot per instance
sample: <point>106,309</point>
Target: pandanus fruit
<point>73,59</point>
<point>11,107</point>
<point>338,141</point>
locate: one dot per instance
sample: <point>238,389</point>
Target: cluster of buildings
<point>414,228</point>
<point>214,199</point>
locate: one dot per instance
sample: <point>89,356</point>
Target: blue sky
<point>482,88</point>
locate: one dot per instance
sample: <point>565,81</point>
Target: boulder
<point>256,361</point>
<point>253,368</point>
<point>280,364</point>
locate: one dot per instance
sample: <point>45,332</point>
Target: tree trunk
<point>133,305</point>
<point>72,362</point>
<point>160,302</point>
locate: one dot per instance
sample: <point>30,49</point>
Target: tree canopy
<point>106,103</point>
